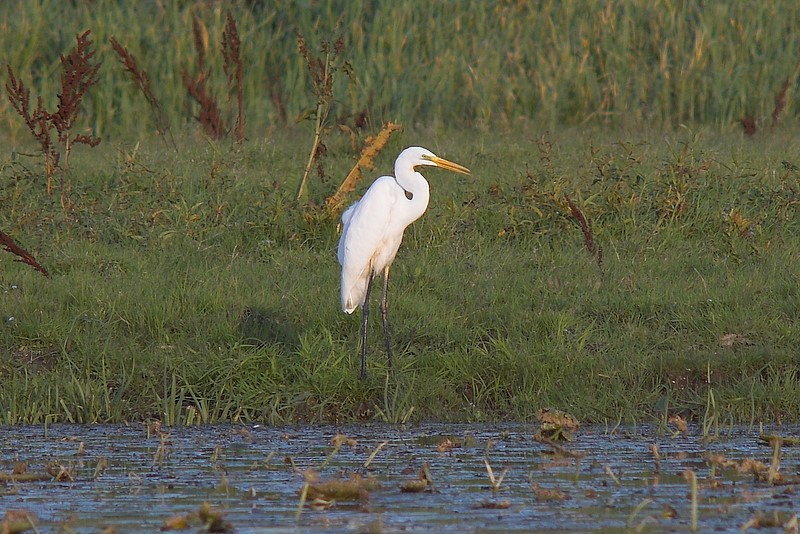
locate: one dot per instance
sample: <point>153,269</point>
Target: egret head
<point>415,155</point>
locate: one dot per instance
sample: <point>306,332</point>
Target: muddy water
<point>134,479</point>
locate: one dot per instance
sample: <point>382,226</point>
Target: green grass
<point>189,287</point>
<point>468,63</point>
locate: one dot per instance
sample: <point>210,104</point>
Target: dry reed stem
<point>495,481</point>
<point>611,475</point>
<point>375,453</point>
<point>372,148</point>
<point>775,466</point>
<point>321,74</point>
<point>691,477</point>
<point>656,457</point>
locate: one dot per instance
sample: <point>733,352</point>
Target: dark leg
<point>385,315</point>
<point>365,316</point>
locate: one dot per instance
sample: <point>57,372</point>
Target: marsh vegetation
<point>624,250</point>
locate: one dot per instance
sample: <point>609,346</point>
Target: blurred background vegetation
<point>462,64</point>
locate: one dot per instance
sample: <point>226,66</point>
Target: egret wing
<point>366,233</point>
<point>348,213</point>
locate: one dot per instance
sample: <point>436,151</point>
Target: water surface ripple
<point>253,475</point>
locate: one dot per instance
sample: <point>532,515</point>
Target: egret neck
<point>415,188</point>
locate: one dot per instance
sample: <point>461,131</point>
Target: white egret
<point>372,230</point>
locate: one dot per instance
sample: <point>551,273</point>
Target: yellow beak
<point>449,165</point>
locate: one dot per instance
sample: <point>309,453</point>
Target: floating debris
<point>102,464</point>
<point>60,473</point>
<point>17,521</point>
<point>773,520</point>
<point>340,439</point>
<point>19,473</point>
<point>555,425</point>
<point>548,494</point>
<point>493,505</point>
<point>177,522</point>
<point>417,485</point>
<point>447,444</point>
<point>680,424</point>
<point>25,477</point>
<point>423,483</point>
<point>786,441</point>
<point>212,519</point>
<point>356,488</point>
<point>631,475</point>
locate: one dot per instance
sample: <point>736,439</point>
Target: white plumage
<point>372,230</point>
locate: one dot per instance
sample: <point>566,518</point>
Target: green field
<point>194,280</point>
<point>190,286</point>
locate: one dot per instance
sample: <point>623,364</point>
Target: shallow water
<point>253,475</point>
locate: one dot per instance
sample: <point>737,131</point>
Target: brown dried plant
<point>588,236</point>
<point>372,146</point>
<point>78,73</point>
<point>231,51</point>
<point>209,116</point>
<point>278,100</point>
<point>19,521</point>
<point>139,76</point>
<point>9,245</point>
<point>38,121</point>
<point>780,102</point>
<point>321,70</point>
<point>748,123</point>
